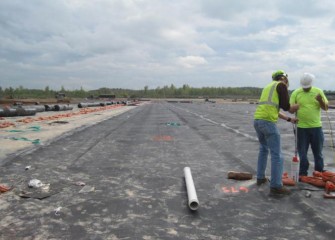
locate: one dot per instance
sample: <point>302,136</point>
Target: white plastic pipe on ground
<point>193,202</point>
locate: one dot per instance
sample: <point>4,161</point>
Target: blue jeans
<point>315,138</point>
<point>269,139</point>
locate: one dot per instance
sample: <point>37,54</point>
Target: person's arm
<point>288,119</point>
<point>293,99</point>
<point>323,104</point>
<point>284,99</point>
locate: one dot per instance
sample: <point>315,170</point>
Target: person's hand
<point>294,108</point>
<point>294,120</point>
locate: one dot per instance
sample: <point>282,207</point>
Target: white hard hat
<point>306,80</point>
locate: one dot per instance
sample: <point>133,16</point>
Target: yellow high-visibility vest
<point>268,106</point>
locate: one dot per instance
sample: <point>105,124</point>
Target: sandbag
<point>239,175</point>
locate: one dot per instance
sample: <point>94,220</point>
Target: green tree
<point>9,92</point>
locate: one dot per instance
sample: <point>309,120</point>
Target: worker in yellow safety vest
<point>273,98</point>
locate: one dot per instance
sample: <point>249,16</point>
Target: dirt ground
<point>42,128</point>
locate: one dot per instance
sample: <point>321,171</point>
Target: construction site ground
<point>118,174</point>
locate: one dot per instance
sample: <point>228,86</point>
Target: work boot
<point>261,181</point>
<point>280,191</point>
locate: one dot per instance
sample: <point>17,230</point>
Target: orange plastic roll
<point>315,181</point>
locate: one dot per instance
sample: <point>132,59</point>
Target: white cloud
<point>191,61</point>
<point>133,43</point>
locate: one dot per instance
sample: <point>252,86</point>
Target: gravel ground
<point>26,136</point>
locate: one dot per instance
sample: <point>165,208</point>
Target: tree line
<point>171,91</point>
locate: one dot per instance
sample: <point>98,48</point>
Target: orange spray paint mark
<point>162,138</point>
<point>234,190</point>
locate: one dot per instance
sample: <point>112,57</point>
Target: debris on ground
<point>4,189</point>
<point>239,175</point>
<point>80,183</point>
<point>87,189</point>
<point>33,141</point>
<point>57,211</point>
<point>35,183</point>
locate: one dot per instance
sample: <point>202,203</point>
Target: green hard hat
<point>278,73</point>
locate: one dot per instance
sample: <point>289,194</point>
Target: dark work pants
<point>313,137</point>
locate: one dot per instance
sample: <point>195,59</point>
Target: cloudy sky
<point>136,43</point>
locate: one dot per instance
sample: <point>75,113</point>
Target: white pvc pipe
<point>193,202</point>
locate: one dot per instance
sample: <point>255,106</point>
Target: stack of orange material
<point>26,120</point>
<point>287,181</point>
<point>4,188</point>
<point>315,181</point>
<point>322,179</point>
<point>330,186</point>
<point>329,178</point>
<point>6,124</point>
<point>326,176</point>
